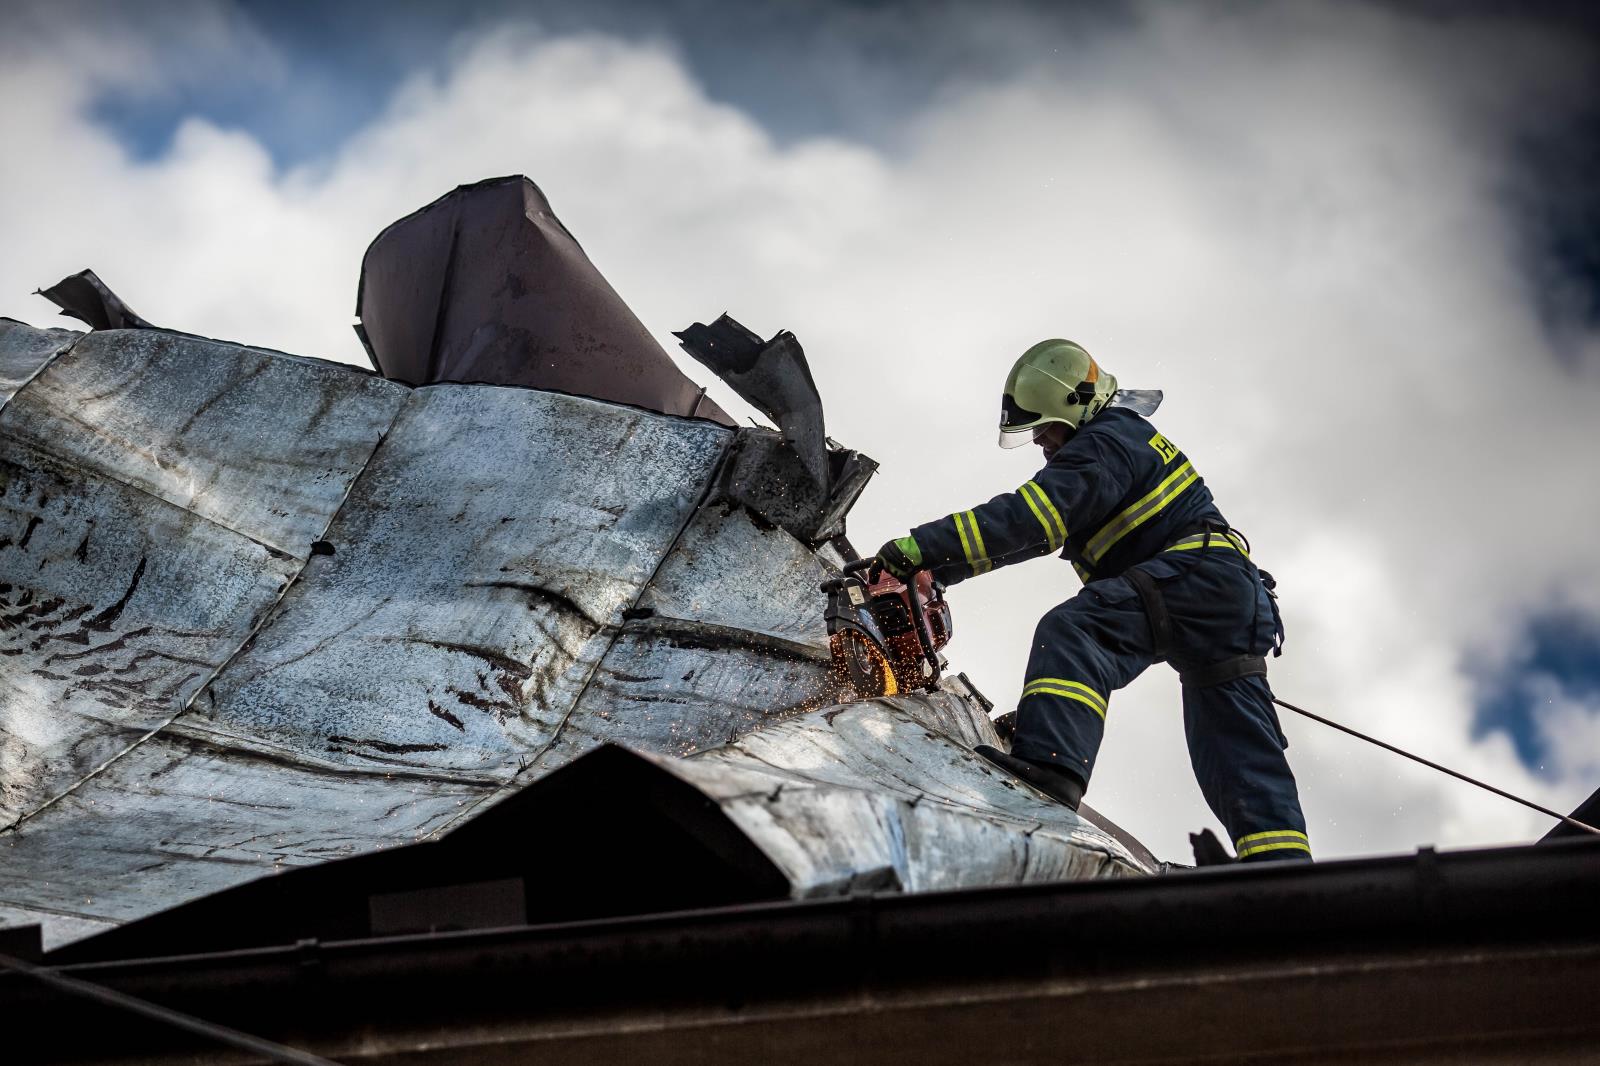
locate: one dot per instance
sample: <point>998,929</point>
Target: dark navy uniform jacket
<point>1114,495</point>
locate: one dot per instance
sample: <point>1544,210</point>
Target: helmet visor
<point>1017,423</point>
<point>1015,418</point>
<point>1016,438</point>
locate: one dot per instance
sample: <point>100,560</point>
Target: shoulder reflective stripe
<point>1141,512</point>
<point>1271,840</point>
<point>1198,540</point>
<point>972,541</point>
<point>1055,530</point>
<point>1041,683</point>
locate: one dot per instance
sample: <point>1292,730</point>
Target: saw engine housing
<point>884,633</point>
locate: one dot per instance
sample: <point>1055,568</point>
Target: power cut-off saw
<point>884,633</point>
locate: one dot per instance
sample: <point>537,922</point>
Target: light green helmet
<point>1054,381</point>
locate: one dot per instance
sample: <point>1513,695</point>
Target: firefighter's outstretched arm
<point>1083,479</point>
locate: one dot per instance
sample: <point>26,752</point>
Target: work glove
<point>902,558</point>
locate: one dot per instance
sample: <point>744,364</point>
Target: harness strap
<point>1223,672</point>
<point>1155,609</point>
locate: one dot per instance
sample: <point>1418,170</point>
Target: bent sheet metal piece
<point>486,285</point>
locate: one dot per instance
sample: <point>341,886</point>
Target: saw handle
<point>914,602</point>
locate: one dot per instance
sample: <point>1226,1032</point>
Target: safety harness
<point>1210,536</point>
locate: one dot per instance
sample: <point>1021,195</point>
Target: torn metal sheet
<point>774,377</point>
<point>486,285</point>
<point>24,351</point>
<point>85,297</point>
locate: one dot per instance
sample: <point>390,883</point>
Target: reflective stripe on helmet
<point>1055,530</point>
<point>1171,487</point>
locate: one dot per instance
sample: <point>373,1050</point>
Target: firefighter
<point>1165,579</point>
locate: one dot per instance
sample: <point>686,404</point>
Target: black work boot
<point>1059,784</point>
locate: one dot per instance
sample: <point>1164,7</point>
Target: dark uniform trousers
<point>1119,498</point>
<point>1101,639</point>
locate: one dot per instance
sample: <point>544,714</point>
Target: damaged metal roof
<point>263,611</point>
<point>259,612</point>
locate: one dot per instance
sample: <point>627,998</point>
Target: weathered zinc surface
<point>887,795</point>
<point>260,611</point>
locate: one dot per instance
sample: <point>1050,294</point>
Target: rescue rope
<point>1568,819</point>
<point>112,998</point>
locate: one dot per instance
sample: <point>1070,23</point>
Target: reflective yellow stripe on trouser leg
<point>1272,840</point>
<point>1072,690</point>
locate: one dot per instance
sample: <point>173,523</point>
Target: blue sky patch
<point>1560,648</point>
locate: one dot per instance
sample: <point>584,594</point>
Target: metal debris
<point>486,285</point>
<point>85,297</point>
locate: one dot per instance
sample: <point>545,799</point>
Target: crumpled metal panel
<point>475,572</point>
<point>886,795</point>
<point>24,351</point>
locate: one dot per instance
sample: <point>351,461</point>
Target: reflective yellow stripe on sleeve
<point>972,542</point>
<point>1171,487</point>
<point>1272,840</point>
<point>1072,690</point>
<point>1055,530</point>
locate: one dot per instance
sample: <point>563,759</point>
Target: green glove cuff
<point>908,546</point>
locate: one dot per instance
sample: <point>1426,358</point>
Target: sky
<point>1358,244</point>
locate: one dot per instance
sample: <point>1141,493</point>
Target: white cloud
<point>1291,218</point>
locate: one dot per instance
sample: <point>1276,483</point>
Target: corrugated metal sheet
<point>260,611</point>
